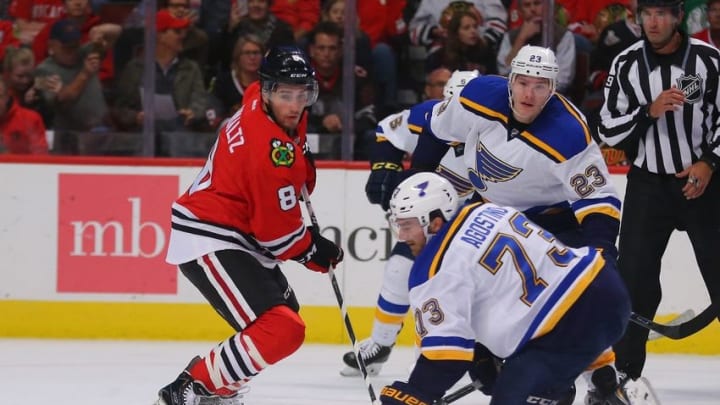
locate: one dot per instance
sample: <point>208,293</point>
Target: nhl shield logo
<point>691,85</point>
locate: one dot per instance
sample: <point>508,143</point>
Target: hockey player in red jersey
<point>238,220</point>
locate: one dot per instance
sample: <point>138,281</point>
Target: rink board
<point>83,244</point>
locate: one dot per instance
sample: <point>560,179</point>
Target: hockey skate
<point>372,353</point>
<point>640,392</point>
<point>186,391</point>
<point>607,389</point>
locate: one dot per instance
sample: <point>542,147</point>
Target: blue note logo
<point>488,168</point>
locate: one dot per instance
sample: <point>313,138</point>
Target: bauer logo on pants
<point>113,232</point>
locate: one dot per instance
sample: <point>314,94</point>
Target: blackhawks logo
<point>282,154</point>
<point>691,85</point>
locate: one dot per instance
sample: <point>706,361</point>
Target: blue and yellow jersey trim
<point>565,295</point>
<point>387,312</point>
<point>609,206</point>
<point>447,348</point>
<point>419,116</point>
<point>428,263</point>
<point>559,132</point>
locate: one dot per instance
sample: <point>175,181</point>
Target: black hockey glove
<point>402,393</point>
<point>485,368</point>
<point>326,253</point>
<point>381,182</point>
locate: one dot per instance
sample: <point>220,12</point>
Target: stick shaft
<point>341,304</point>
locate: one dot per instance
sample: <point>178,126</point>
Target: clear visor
<point>287,93</point>
<point>403,226</point>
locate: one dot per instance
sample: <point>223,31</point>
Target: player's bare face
<point>659,25</point>
<point>529,95</point>
<point>288,102</point>
<point>411,232</point>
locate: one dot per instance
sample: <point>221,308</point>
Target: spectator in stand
<point>93,31</point>
<point>711,34</point>
<point>18,72</point>
<point>4,10</point>
<point>69,80</point>
<point>301,15</point>
<point>530,33</point>
<point>334,12</point>
<point>589,18</point>
<point>326,114</point>
<point>180,100</point>
<point>213,19</point>
<point>7,37</point>
<point>195,45</point>
<point>259,21</point>
<point>464,48</point>
<point>435,83</point>
<point>32,15</point>
<point>383,21</point>
<point>425,27</point>
<point>230,85</point>
<point>21,130</point>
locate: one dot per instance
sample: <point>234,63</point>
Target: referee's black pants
<point>654,207</point>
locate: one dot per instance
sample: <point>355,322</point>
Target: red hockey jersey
<point>247,196</point>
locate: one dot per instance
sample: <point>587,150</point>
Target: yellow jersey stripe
<point>588,137</point>
<point>605,209</point>
<point>448,354</point>
<point>562,307</point>
<point>543,146</point>
<point>483,110</point>
<point>388,318</point>
<point>456,224</point>
<point>415,129</point>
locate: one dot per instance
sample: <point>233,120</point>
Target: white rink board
<point>29,239</point>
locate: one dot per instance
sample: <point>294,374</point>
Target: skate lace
<point>368,348</point>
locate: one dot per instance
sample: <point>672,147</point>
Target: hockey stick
<point>459,393</point>
<point>341,304</point>
<point>683,317</point>
<point>682,330</point>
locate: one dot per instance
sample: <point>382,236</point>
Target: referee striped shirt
<point>679,138</point>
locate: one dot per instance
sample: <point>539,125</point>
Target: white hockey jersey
<point>402,130</point>
<point>491,275</point>
<point>554,163</point>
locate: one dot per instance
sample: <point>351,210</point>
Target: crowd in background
<point>77,66</point>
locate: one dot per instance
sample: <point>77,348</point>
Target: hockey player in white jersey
<point>530,148</point>
<point>487,275</point>
<point>397,135</point>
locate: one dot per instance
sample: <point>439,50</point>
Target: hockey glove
<point>402,393</point>
<point>485,368</point>
<point>326,253</point>
<point>381,182</point>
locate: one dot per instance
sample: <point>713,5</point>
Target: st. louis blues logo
<point>488,168</point>
<point>691,85</point>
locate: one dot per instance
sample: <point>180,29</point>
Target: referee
<point>662,106</point>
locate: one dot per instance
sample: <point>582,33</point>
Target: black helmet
<point>287,64</point>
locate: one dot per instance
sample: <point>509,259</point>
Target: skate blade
<point>640,392</point>
<point>372,369</point>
